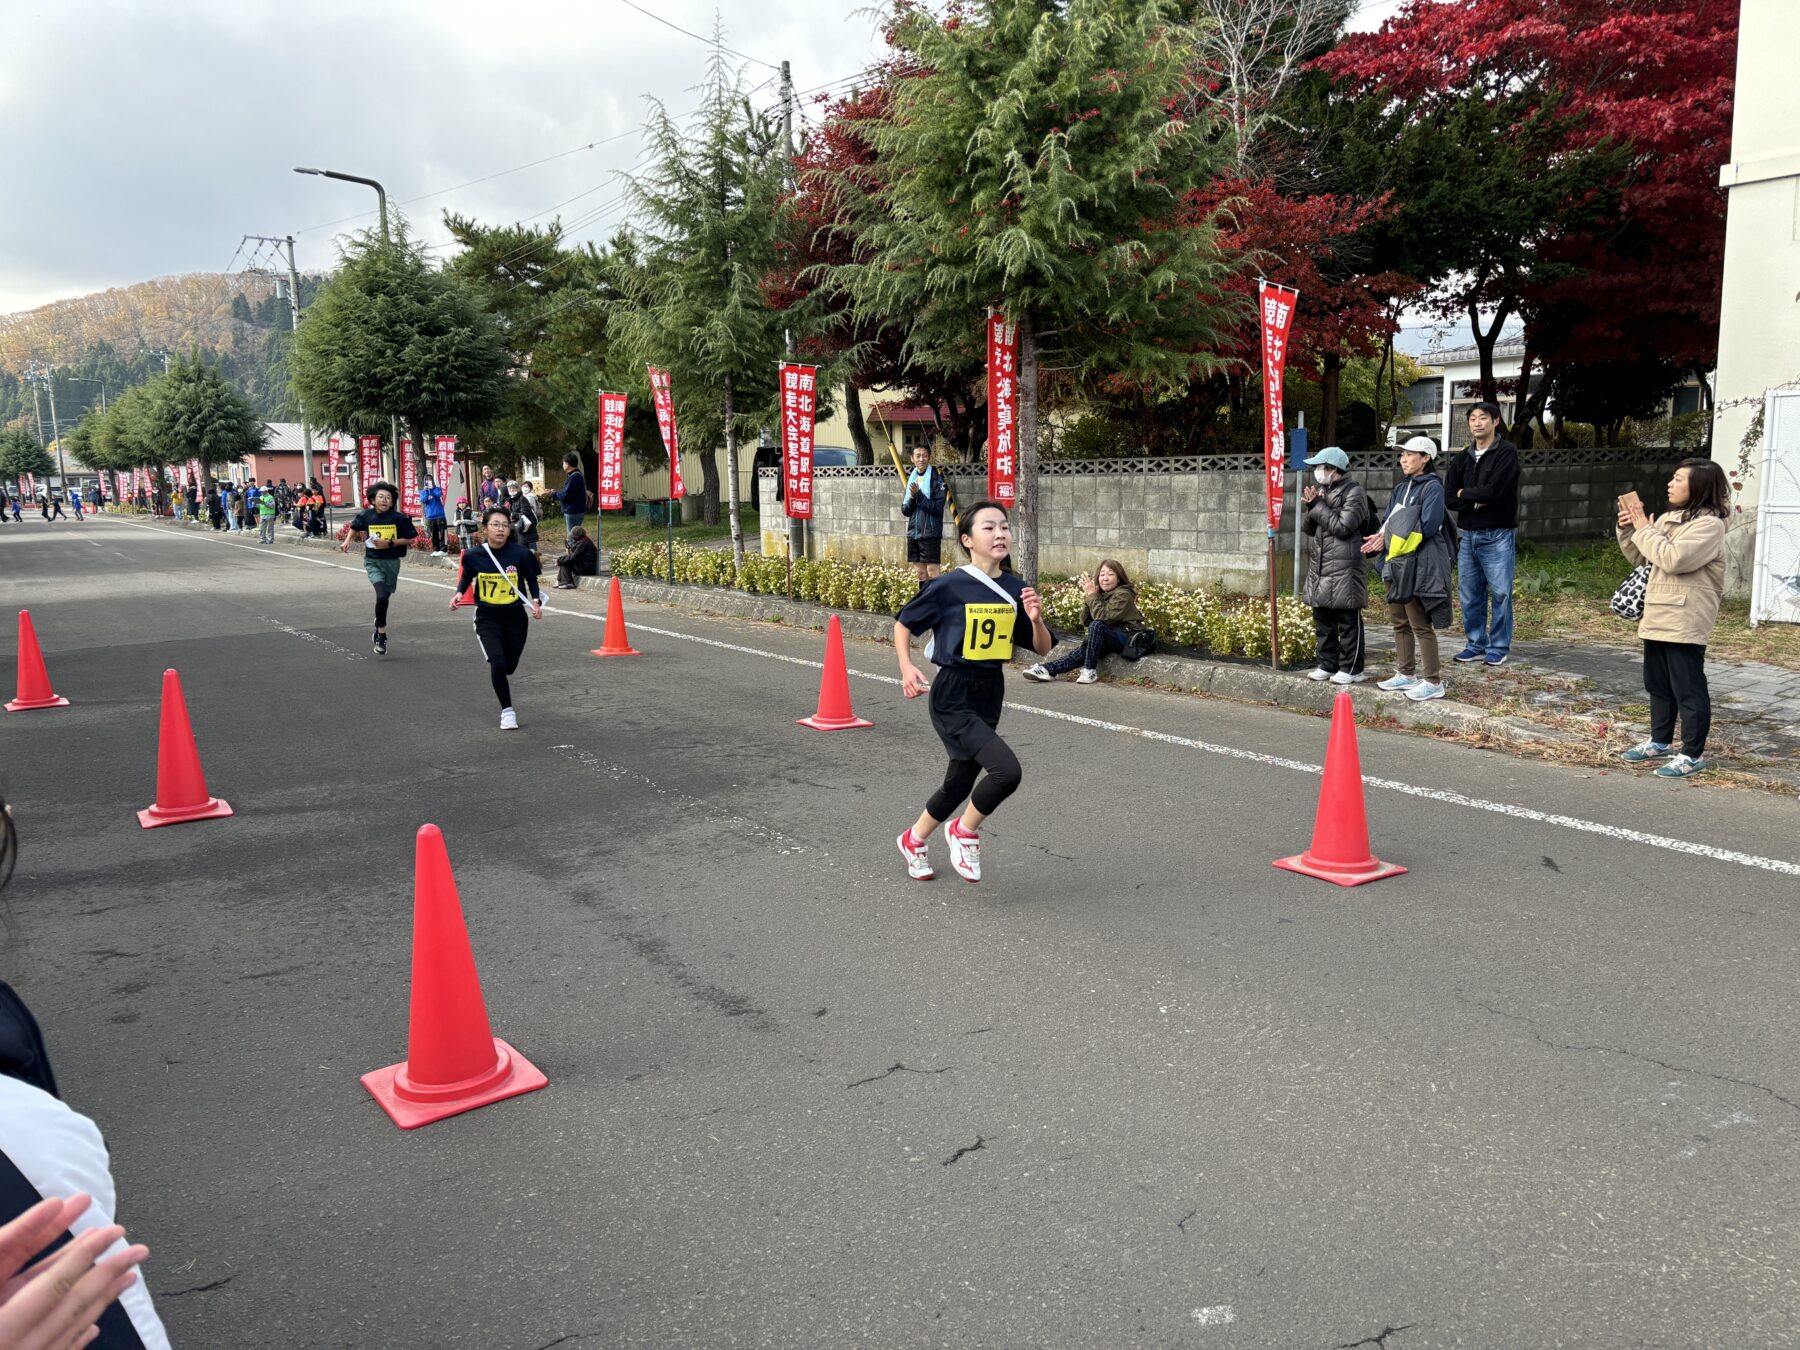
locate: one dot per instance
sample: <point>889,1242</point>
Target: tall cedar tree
<point>1039,164</point>
<point>194,414</point>
<point>20,453</point>
<point>122,438</point>
<point>1651,82</point>
<point>392,336</point>
<point>691,296</point>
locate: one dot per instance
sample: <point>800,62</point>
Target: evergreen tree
<point>392,336</point>
<point>122,438</point>
<point>1039,164</point>
<point>690,294</point>
<point>20,453</point>
<point>194,414</point>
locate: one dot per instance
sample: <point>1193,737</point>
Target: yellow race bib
<point>988,632</point>
<point>384,532</point>
<point>494,588</point>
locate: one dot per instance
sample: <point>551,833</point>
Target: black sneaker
<point>380,643</point>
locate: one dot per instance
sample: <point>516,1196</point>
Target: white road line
<point>1442,795</point>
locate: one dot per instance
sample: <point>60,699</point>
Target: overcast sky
<point>146,137</point>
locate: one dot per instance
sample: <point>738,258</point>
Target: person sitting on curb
<point>1417,550</point>
<point>579,559</point>
<point>1337,579</point>
<point>1110,615</point>
<point>1685,547</point>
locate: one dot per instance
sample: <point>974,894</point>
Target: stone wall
<point>1198,521</point>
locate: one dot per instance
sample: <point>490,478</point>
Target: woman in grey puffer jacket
<point>1334,513</point>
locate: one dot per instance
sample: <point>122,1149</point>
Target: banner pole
<point>1274,613</point>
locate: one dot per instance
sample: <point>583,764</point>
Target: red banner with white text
<point>409,478</point>
<point>445,468</point>
<point>1275,306</point>
<point>1003,410</point>
<point>334,465</point>
<point>368,462</point>
<point>799,400</point>
<point>665,423</point>
<point>193,467</point>
<point>612,451</point>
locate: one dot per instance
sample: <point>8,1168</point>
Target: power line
<point>742,56</point>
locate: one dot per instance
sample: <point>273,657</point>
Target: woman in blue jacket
<point>432,499</point>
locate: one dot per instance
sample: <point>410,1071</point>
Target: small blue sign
<point>1296,450</point>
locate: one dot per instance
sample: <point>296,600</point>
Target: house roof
<point>1509,345</point>
<point>284,438</point>
<point>902,412</point>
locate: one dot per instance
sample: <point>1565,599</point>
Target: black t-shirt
<point>492,588</point>
<point>390,525</point>
<point>970,625</point>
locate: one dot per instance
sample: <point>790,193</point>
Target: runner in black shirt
<point>387,532</point>
<point>975,613</point>
<point>504,574</point>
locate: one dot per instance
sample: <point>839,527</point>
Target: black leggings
<point>381,604</point>
<point>501,631</point>
<point>1675,679</point>
<point>1003,775</point>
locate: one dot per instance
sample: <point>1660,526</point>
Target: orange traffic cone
<point>834,688</point>
<point>1340,842</point>
<point>454,1062</point>
<point>34,680</point>
<point>617,641</point>
<point>180,781</point>
<point>466,598</point>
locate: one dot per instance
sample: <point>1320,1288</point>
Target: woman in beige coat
<point>1685,548</point>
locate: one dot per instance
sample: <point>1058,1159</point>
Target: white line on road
<point>1442,795</point>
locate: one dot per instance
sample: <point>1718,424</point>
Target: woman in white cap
<point>1415,542</point>
<point>1335,514</point>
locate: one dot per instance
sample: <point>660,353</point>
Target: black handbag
<point>1139,643</point>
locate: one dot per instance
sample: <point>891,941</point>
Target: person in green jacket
<point>1109,614</point>
<point>265,517</point>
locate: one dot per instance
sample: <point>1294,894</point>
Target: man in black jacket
<point>1482,487</point>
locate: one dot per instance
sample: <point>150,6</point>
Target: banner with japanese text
<point>193,468</point>
<point>1003,410</point>
<point>30,484</point>
<point>368,464</point>
<point>612,451</point>
<point>665,423</point>
<point>1275,308</point>
<point>121,487</point>
<point>799,399</point>
<point>409,478</point>
<point>444,469</point>
<point>334,465</point>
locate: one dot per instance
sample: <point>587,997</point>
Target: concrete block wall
<point>1200,526</point>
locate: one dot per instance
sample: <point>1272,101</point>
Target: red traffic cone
<point>834,688</point>
<point>454,1062</point>
<point>180,781</point>
<point>466,598</point>
<point>617,641</point>
<point>34,680</point>
<point>1340,842</point>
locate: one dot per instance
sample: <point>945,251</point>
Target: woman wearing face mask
<point>1335,513</point>
<point>504,573</point>
<point>1109,614</point>
<point>1685,547</point>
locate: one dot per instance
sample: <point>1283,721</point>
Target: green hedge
<point>1208,620</point>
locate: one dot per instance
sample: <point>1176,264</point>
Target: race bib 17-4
<point>493,588</point>
<point>988,632</point>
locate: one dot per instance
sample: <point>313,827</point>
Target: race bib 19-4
<point>988,632</point>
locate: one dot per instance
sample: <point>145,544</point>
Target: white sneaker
<point>1088,677</point>
<point>918,859</point>
<point>1424,689</point>
<point>1347,677</point>
<point>1039,674</point>
<point>439,553</point>
<point>1318,673</point>
<point>965,853</point>
<point>509,720</point>
<point>1398,681</point>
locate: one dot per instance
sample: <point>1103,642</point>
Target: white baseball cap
<point>1422,445</point>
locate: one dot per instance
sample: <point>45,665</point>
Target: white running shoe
<point>918,858</point>
<point>1039,674</point>
<point>1318,673</point>
<point>1348,677</point>
<point>509,720</point>
<point>965,852</point>
<point>1398,681</point>
<point>1088,677</point>
<point>1424,690</point>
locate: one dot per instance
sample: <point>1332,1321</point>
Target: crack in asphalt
<point>1184,1219</point>
<point>197,1289</point>
<point>1379,1338</point>
<point>980,1141</point>
<point>1627,1053</point>
<point>897,1068</point>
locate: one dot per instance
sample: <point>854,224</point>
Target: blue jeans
<point>1484,584</point>
<point>574,521</point>
<point>1101,639</point>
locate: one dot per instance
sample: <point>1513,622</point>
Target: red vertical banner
<point>368,462</point>
<point>334,465</point>
<point>445,449</point>
<point>1275,307</point>
<point>409,478</point>
<point>665,423</point>
<point>612,451</point>
<point>30,485</point>
<point>799,400</point>
<point>121,487</point>
<point>1003,410</point>
<point>194,472</point>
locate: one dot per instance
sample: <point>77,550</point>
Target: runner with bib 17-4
<point>388,534</point>
<point>976,614</point>
<point>503,574</point>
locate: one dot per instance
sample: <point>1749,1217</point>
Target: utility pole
<point>35,371</point>
<point>796,526</point>
<point>61,472</point>
<point>306,455</point>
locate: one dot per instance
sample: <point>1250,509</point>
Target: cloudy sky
<point>144,139</point>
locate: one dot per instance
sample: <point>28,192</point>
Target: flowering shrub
<point>1199,619</point>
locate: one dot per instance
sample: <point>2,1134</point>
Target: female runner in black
<point>504,574</point>
<point>975,614</point>
<point>388,534</point>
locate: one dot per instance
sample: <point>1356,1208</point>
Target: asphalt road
<point>1138,1088</point>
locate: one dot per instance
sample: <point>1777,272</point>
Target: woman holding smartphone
<point>974,614</point>
<point>1685,547</point>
